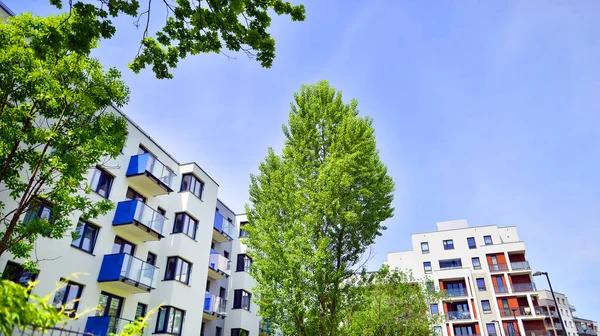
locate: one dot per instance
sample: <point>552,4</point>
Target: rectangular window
<point>121,245</point>
<point>471,242</point>
<point>239,332</point>
<point>481,284</point>
<point>140,310</point>
<point>424,247</point>
<point>241,299</point>
<point>450,263</point>
<point>178,269</point>
<point>38,209</point>
<point>485,304</point>
<point>170,320</point>
<point>101,182</point>
<point>491,328</point>
<point>68,296</point>
<point>110,305</point>
<point>476,263</point>
<point>16,273</point>
<point>134,195</point>
<point>434,309</point>
<point>448,244</point>
<point>427,266</point>
<point>218,331</point>
<point>243,233</point>
<point>86,236</point>
<point>208,285</point>
<point>192,184</point>
<point>488,240</point>
<point>244,263</point>
<point>151,259</point>
<point>184,223</point>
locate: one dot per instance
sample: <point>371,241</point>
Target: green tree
<point>314,211</point>
<point>192,27</point>
<point>54,127</point>
<point>392,303</point>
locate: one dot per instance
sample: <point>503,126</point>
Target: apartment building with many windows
<point>565,309</point>
<point>168,241</point>
<point>485,275</point>
<point>585,327</point>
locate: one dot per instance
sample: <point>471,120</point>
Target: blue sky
<point>484,110</point>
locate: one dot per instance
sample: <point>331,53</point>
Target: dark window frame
<point>36,208</point>
<point>239,332</point>
<point>104,176</point>
<point>168,325</point>
<point>455,263</point>
<point>448,244</point>
<point>193,182</point>
<point>238,299</point>
<point>474,243</point>
<point>144,310</point>
<point>68,288</point>
<point>124,243</point>
<point>20,273</point>
<point>174,276</point>
<point>425,251</point>
<point>480,288</point>
<point>483,307</point>
<point>244,267</point>
<point>243,232</point>
<point>485,240</point>
<point>478,262</point>
<point>425,267</point>
<point>190,223</point>
<point>86,225</point>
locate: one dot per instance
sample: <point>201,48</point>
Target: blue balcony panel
<point>138,219</point>
<point>222,229</point>
<point>105,325</point>
<point>127,273</point>
<point>149,176</point>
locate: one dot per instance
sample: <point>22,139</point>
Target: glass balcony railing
<point>457,315</point>
<point>498,267</point>
<point>501,289</point>
<point>214,304</point>
<point>138,212</point>
<point>105,325</point>
<point>523,287</point>
<point>454,292</point>
<point>518,311</point>
<point>219,263</point>
<point>125,269</point>
<point>154,174</point>
<point>520,265</point>
<point>223,226</point>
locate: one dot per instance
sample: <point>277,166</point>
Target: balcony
<point>517,288</point>
<point>501,289</point>
<point>456,292</point>
<point>149,176</point>
<point>498,267</point>
<point>582,331</point>
<point>535,333</point>
<point>222,229</point>
<point>457,315</point>
<point>520,311</point>
<point>572,308</point>
<point>138,219</point>
<point>105,325</point>
<point>520,265</point>
<point>127,273</point>
<point>215,307</point>
<point>218,266</point>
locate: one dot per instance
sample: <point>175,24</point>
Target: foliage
<point>192,27</point>
<point>392,303</point>
<point>54,127</point>
<point>314,211</point>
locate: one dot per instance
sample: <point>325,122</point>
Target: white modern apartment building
<point>586,327</point>
<point>485,275</point>
<point>564,308</point>
<point>169,241</point>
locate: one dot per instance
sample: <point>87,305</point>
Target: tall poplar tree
<point>313,212</point>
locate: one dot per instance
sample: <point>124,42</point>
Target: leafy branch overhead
<point>192,27</point>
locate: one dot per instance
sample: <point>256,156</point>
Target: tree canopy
<point>313,212</point>
<point>54,126</point>
<point>192,27</point>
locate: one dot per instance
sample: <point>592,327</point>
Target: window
<point>208,285</point>
<point>450,263</point>
<point>110,305</point>
<point>16,273</point>
<point>178,269</point>
<point>122,246</point>
<point>430,286</point>
<point>487,240</point>
<point>192,184</point>
<point>485,304</point>
<point>38,209</point>
<point>226,254</point>
<point>68,296</point>
<point>427,266</point>
<point>244,263</point>
<point>241,299</point>
<point>101,182</point>
<point>434,309</point>
<point>476,263</point>
<point>448,244</point>
<point>134,195</point>
<point>222,292</point>
<point>184,223</point>
<point>86,236</point>
<point>424,247</point>
<point>151,259</point>
<point>239,332</point>
<point>140,310</point>
<point>243,233</point>
<point>471,242</point>
<point>170,320</point>
<point>437,330</point>
<point>491,328</point>
<point>218,331</point>
<point>481,284</point>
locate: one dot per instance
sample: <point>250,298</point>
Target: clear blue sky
<point>484,110</point>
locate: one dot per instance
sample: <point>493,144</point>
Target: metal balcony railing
<point>498,267</point>
<point>523,287</point>
<point>520,265</point>
<point>134,210</point>
<point>454,292</point>
<point>123,267</point>
<point>153,166</point>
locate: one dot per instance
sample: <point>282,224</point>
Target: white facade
<point>485,275</point>
<point>195,296</point>
<point>564,308</point>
